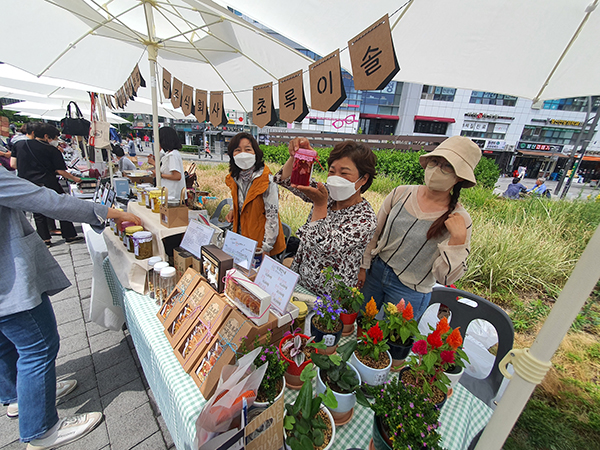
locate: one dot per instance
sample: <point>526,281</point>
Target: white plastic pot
<point>370,376</point>
<point>332,440</point>
<point>455,377</point>
<point>345,401</point>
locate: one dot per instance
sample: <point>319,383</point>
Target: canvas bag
<point>75,126</point>
<point>100,129</point>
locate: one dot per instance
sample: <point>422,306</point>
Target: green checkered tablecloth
<point>180,401</point>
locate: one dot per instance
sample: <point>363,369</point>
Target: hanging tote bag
<point>75,125</point>
<point>100,129</point>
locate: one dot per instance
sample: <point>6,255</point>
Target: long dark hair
<point>235,143</point>
<point>438,227</point>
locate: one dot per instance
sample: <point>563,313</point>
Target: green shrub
<point>487,173</point>
<point>189,148</point>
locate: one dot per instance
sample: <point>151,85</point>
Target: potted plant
<point>273,384</point>
<point>431,356</point>
<point>371,357</point>
<point>335,372</point>
<point>367,320</point>
<point>400,327</point>
<point>326,325</point>
<point>350,298</point>
<point>404,417</point>
<point>307,424</point>
<point>293,349</point>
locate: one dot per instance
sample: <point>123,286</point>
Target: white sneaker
<point>66,431</point>
<point>62,388</point>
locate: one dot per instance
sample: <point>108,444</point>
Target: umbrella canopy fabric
<point>200,42</point>
<point>55,111</point>
<point>510,47</point>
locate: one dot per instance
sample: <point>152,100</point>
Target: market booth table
<point>180,401</point>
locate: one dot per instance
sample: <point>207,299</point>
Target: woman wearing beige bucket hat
<point>423,233</point>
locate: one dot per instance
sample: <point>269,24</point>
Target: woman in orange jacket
<point>255,212</point>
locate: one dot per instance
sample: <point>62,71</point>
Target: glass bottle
<point>150,275</point>
<point>303,164</point>
<point>167,282</point>
<point>156,280</point>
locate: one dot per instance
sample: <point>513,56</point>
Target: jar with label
<point>113,224</point>
<point>303,164</point>
<point>142,244</point>
<point>156,280</point>
<point>127,241</point>
<point>303,311</point>
<point>150,275</point>
<point>166,282</point>
<point>155,200</point>
<point>123,227</point>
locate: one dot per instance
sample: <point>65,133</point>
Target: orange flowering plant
<point>435,354</point>
<point>399,325</point>
<point>368,317</point>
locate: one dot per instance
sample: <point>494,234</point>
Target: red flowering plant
<point>438,352</point>
<point>372,343</point>
<point>399,324</point>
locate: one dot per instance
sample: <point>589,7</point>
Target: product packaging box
<point>184,286</point>
<point>183,260</point>
<point>248,297</point>
<point>173,213</point>
<point>214,264</point>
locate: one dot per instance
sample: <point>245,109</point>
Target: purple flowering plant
<point>408,416</point>
<point>327,313</point>
<point>271,386</point>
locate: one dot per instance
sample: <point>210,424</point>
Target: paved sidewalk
<point>106,366</point>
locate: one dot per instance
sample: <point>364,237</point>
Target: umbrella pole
<point>531,367</point>
<point>152,47</point>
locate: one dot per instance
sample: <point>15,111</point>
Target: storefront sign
<point>479,115</point>
<point>571,123</point>
<point>539,147</point>
<point>495,145</point>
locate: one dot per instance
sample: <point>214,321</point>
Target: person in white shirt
<point>171,164</point>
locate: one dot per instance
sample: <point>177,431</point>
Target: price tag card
<point>240,248</point>
<point>196,235</point>
<point>278,281</point>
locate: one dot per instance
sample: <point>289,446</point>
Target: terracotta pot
<point>329,339</point>
<point>348,321</point>
<point>292,373</point>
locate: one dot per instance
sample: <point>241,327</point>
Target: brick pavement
<point>106,366</point>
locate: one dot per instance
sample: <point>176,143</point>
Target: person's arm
<point>271,201</point>
<point>67,175</point>
<point>451,265</point>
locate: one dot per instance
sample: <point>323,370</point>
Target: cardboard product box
<point>248,297</point>
<point>196,264</point>
<point>206,369</point>
<point>203,326</point>
<point>173,213</point>
<point>184,286</point>
<point>180,318</point>
<point>291,314</point>
<point>183,260</point>
<point>214,264</point>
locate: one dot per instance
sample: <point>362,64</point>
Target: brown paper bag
<point>176,93</point>
<point>263,113</point>
<point>166,84</point>
<point>373,57</point>
<point>187,100</point>
<point>200,110</point>
<point>217,110</point>
<point>292,101</point>
<point>326,88</point>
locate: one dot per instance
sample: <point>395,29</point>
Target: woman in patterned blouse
<point>341,222</point>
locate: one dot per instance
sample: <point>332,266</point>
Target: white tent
<point>55,110</point>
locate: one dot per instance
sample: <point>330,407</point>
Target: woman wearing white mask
<point>341,222</point>
<point>255,212</point>
<point>423,234</point>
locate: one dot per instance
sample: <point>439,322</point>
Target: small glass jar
<point>303,311</point>
<point>166,283</point>
<point>127,241</point>
<point>303,164</point>
<point>150,275</point>
<point>155,200</point>
<point>113,224</point>
<point>156,280</point>
<point>123,227</point>
<point>142,244</point>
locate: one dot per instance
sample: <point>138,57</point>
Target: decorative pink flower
<point>447,356</point>
<point>400,306</point>
<point>420,347</point>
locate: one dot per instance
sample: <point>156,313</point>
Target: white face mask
<point>438,181</point>
<point>340,189</point>
<point>53,143</point>
<point>244,160</point>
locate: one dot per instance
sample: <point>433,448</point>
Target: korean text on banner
<point>263,113</point>
<point>327,91</point>
<point>292,101</point>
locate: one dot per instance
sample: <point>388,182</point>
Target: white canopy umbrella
<point>198,41</point>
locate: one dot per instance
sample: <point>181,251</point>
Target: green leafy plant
<point>409,417</point>
<point>487,173</point>
<point>372,343</point>
<point>350,298</point>
<point>302,423</point>
<point>399,324</point>
<point>296,347</point>
<point>334,368</point>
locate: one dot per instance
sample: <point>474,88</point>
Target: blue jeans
<point>29,344</point>
<point>384,286</point>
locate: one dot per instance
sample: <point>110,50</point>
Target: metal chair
<point>462,315</point>
<point>214,219</point>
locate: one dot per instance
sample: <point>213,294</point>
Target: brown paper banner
<point>166,85</point>
<point>201,112</point>
<point>292,102</point>
<point>129,88</point>
<point>326,88</point>
<point>187,100</point>
<point>136,78</point>
<point>263,113</point>
<point>120,98</point>
<point>217,110</point>
<point>176,93</point>
<point>374,62</point>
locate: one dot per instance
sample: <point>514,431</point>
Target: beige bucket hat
<point>462,153</point>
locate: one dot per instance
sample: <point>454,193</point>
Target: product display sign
<point>196,235</point>
<point>200,109</point>
<point>176,93</point>
<point>292,101</point>
<point>187,100</point>
<point>240,248</point>
<point>278,281</point>
<point>373,57</point>
<point>166,83</point>
<point>327,91</point>
<point>217,110</point>
<point>263,113</point>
